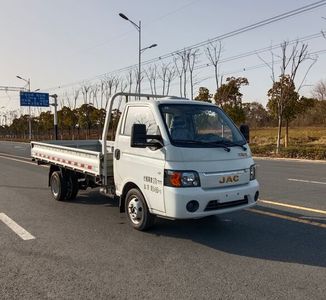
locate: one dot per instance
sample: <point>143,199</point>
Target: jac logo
<point>229,179</point>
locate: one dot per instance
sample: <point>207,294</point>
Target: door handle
<point>117,154</point>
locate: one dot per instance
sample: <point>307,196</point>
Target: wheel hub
<point>135,210</point>
<point>55,187</point>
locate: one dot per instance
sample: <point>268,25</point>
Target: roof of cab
<point>171,100</point>
<point>178,100</point>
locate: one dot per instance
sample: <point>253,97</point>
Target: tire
<point>137,211</point>
<point>72,185</point>
<point>58,186</point>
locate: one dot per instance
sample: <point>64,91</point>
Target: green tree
<point>85,115</point>
<point>229,98</point>
<point>204,95</point>
<point>46,122</point>
<point>256,114</point>
<point>284,104</point>
<point>67,120</point>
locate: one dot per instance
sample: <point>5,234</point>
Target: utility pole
<point>28,81</point>
<point>55,104</point>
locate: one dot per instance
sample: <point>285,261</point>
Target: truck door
<point>142,166</point>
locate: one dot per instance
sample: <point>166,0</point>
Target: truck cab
<point>181,159</point>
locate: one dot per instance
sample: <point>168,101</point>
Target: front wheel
<point>137,211</point>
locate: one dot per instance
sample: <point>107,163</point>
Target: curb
<point>291,159</point>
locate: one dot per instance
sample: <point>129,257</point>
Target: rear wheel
<point>72,185</point>
<point>58,186</point>
<point>137,211</point>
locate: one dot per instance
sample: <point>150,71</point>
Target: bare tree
<point>76,96</point>
<point>129,80</point>
<point>184,56</point>
<point>102,92</point>
<point>192,60</point>
<point>151,74</point>
<point>123,85</point>
<point>68,99</point>
<point>181,64</point>
<point>171,75</point>
<point>61,101</point>
<point>93,93</point>
<point>319,90</point>
<point>109,83</point>
<point>116,84</point>
<point>163,76</point>
<point>85,89</point>
<point>213,52</point>
<point>179,72</point>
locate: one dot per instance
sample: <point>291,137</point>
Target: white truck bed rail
<point>76,159</point>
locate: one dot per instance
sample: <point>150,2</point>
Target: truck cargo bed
<point>83,156</point>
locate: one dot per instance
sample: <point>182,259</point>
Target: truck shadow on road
<point>94,198</point>
<point>253,235</point>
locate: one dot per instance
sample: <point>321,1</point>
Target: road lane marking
<point>306,181</point>
<point>23,161</point>
<point>288,218</point>
<point>280,159</point>
<point>20,231</point>
<point>15,156</point>
<point>319,211</point>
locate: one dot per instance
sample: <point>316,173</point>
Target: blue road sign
<point>34,99</point>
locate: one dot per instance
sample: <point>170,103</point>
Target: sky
<point>60,44</point>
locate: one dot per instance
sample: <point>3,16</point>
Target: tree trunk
<point>216,76</point>
<point>191,87</point>
<point>279,132</point>
<point>286,141</point>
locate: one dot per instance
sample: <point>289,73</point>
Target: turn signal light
<point>181,178</point>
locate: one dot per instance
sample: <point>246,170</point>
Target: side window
<point>139,115</point>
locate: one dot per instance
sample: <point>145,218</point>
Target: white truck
<point>173,158</point>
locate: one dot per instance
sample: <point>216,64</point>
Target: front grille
<point>214,205</point>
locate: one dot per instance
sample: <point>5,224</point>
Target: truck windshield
<point>194,125</point>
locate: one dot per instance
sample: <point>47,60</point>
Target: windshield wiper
<point>216,144</point>
<point>230,144</point>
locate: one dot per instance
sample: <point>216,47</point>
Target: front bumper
<point>176,200</point>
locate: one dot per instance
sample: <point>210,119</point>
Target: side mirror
<point>139,138</point>
<point>244,129</point>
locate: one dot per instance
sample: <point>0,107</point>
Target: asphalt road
<point>85,249</point>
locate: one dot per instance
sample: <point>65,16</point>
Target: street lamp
<point>140,50</point>
<point>28,81</point>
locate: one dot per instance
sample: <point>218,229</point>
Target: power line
<point>250,68</point>
<point>233,33</point>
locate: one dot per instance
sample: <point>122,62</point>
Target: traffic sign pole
<point>29,114</point>
<point>55,118</point>
<point>55,104</point>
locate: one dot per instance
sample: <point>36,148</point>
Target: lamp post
<point>28,81</point>
<point>140,49</point>
<point>55,104</point>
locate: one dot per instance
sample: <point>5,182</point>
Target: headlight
<point>181,178</point>
<point>253,172</point>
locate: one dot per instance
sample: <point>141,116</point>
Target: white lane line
<point>294,206</point>
<point>20,231</point>
<point>23,161</point>
<point>15,156</point>
<point>288,218</point>
<point>306,181</point>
